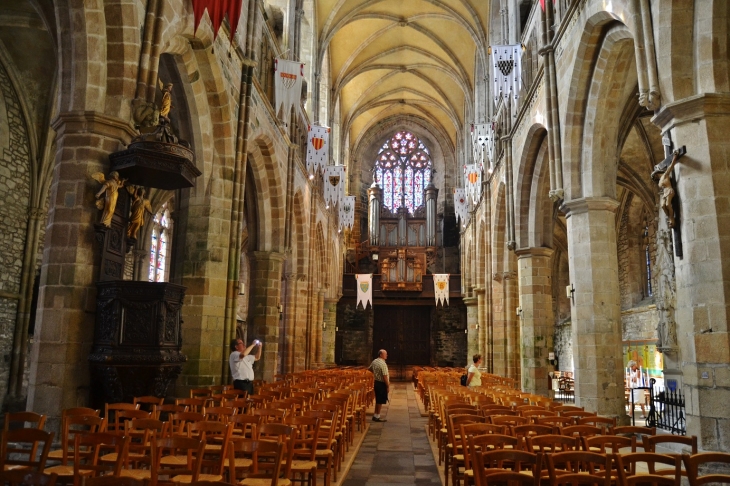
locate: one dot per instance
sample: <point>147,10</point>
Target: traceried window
<point>403,170</point>
<point>160,245</point>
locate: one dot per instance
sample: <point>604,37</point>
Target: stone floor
<point>398,451</point>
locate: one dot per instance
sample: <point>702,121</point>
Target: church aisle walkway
<point>397,451</point>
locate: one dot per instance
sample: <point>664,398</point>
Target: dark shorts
<point>381,392</point>
<point>244,385</point>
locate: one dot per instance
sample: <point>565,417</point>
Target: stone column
<point>498,342</point>
<point>328,334</point>
<point>595,306</point>
<point>703,289</point>
<point>472,334</point>
<point>290,321</point>
<point>481,311</point>
<point>59,370</point>
<point>266,268</point>
<point>317,329</point>
<point>534,267</point>
<point>300,325</point>
<point>511,326</point>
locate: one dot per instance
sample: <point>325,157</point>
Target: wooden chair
<point>581,430</point>
<point>217,436</point>
<point>23,455</point>
<point>579,467</point>
<point>634,431</point>
<point>245,426</point>
<point>23,477</point>
<point>194,404</point>
<point>694,462</point>
<point>73,426</point>
<point>18,420</point>
<point>608,444</point>
<point>148,403</point>
<point>162,412</point>
<point>112,481</point>
<point>505,460</point>
<point>284,434</point>
<point>551,443</point>
<point>509,420</point>
<point>469,430</point>
<point>555,421</point>
<point>665,443</point>
<point>200,392</point>
<point>179,421</point>
<point>453,451</point>
<point>577,414</point>
<point>627,467</point>
<point>304,459</point>
<point>605,423</point>
<point>141,433</point>
<point>189,448</point>
<point>219,414</point>
<point>266,459</point>
<point>115,423</point>
<point>66,441</point>
<point>326,446</point>
<point>89,450</point>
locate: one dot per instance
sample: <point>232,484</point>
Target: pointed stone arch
<point>271,204</point>
<point>531,195</point>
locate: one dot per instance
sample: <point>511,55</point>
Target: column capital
<point>261,256</point>
<point>534,252</point>
<point>95,123</point>
<point>480,290</point>
<point>586,204</point>
<point>331,300</point>
<point>470,301</point>
<point>691,109</point>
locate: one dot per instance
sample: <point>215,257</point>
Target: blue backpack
<point>463,379</point>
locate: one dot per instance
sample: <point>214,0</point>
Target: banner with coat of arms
<point>483,140</point>
<point>507,72</point>
<point>288,77</point>
<point>317,148</point>
<point>441,288</point>
<point>461,205</point>
<point>364,289</point>
<point>347,212</point>
<point>473,181</point>
<point>334,184</point>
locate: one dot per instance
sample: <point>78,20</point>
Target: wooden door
<point>405,332</point>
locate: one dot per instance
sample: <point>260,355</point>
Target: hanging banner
<point>364,289</point>
<point>347,212</point>
<point>217,9</point>
<point>317,148</point>
<point>461,205</point>
<point>334,184</point>
<point>507,72</point>
<point>483,140</point>
<point>473,182</point>
<point>288,85</point>
<point>441,288</point>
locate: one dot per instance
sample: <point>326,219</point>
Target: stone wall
<point>14,194</point>
<point>356,334</point>
<point>640,323</point>
<point>563,345</point>
<point>448,340</point>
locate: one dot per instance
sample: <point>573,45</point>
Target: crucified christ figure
<point>665,184</point>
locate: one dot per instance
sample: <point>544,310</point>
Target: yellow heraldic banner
<point>288,85</point>
<point>473,181</point>
<point>441,288</point>
<point>334,184</point>
<point>318,149</point>
<point>364,289</point>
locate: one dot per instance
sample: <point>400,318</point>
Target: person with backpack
<point>474,376</point>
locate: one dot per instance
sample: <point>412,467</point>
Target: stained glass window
<point>160,245</point>
<point>403,170</point>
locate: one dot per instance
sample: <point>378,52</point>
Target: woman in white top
<point>474,377</point>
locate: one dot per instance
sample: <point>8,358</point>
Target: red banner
<point>217,10</point>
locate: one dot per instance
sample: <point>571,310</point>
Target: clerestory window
<point>403,170</point>
<point>160,245</point>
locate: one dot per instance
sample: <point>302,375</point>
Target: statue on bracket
<point>665,184</point>
<point>109,190</point>
<point>140,206</point>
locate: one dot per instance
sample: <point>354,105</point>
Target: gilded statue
<point>110,190</point>
<point>166,104</point>
<point>665,184</point>
<point>140,206</point>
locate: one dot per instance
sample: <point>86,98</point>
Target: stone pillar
<point>472,334</point>
<point>328,334</point>
<point>534,269</point>
<point>266,268</point>
<point>703,289</point>
<point>595,306</point>
<point>511,326</point>
<point>497,344</point>
<point>300,325</point>
<point>317,328</point>
<point>290,321</point>
<point>59,370</point>
<point>481,311</point>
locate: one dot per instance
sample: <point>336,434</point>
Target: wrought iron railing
<point>666,410</point>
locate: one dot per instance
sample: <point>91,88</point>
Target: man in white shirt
<point>241,362</point>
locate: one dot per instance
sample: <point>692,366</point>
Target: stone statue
<point>665,184</point>
<point>110,191</point>
<point>665,293</point>
<point>140,205</point>
<point>146,114</point>
<point>166,104</point>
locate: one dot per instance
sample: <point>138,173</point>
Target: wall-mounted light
<point>569,289</point>
<point>311,177</point>
<point>279,308</point>
<point>324,326</point>
<point>242,289</point>
<point>375,257</point>
<point>518,311</point>
<point>477,327</point>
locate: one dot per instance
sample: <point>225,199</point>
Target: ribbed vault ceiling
<point>403,57</point>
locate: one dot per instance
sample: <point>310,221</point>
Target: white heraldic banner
<point>461,205</point>
<point>288,85</point>
<point>334,184</point>
<point>441,288</point>
<point>473,181</point>
<point>483,140</point>
<point>507,71</point>
<point>347,212</point>
<point>317,148</point>
<point>364,289</point>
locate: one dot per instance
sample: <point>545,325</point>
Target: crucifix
<point>669,203</point>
